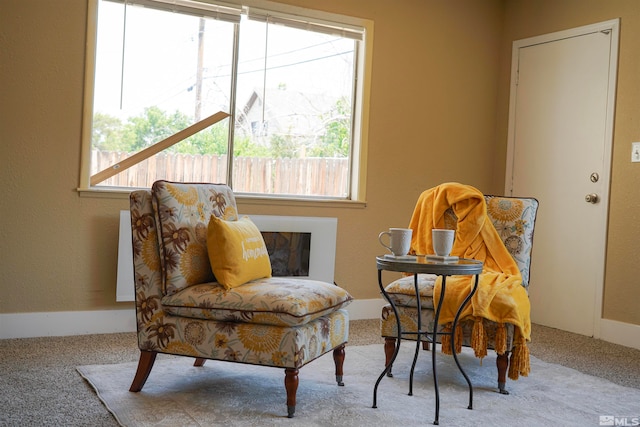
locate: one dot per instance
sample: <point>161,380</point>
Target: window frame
<point>363,58</point>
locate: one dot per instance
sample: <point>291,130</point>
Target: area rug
<point>229,394</point>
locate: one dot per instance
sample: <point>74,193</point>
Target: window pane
<point>294,110</point>
<point>158,72</point>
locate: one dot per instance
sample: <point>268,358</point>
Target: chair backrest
<point>169,225</point>
<point>182,212</point>
<point>514,219</point>
<point>146,256</point>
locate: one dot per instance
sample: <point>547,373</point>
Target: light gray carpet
<point>178,394</point>
<point>39,384</point>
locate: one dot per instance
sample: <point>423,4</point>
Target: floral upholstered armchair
<point>514,220</point>
<point>204,289</point>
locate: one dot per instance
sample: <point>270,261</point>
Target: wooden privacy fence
<point>308,176</point>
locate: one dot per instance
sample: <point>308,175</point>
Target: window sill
<point>244,199</point>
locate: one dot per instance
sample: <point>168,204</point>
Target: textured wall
<point>439,112</point>
<point>433,97</point>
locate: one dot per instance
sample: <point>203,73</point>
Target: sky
<point>159,64</point>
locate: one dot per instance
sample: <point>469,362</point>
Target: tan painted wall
<point>432,119</point>
<point>438,81</point>
<point>528,18</point>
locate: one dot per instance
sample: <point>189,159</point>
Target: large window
<point>289,83</point>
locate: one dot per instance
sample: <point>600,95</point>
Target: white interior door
<point>560,132</point>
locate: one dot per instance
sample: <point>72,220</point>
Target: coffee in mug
<point>399,240</point>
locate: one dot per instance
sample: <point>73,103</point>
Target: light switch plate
<point>635,151</point>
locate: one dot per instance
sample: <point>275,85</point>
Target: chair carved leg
<point>291,385</point>
<point>147,358</point>
<point>338,358</point>
<point>502,362</point>
<point>389,349</point>
<point>199,361</point>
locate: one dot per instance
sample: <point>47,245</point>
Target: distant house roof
<point>286,112</point>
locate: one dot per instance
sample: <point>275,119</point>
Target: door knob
<point>591,198</point>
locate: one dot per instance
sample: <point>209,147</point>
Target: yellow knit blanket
<point>500,296</point>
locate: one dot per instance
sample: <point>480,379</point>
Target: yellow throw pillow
<point>236,251</point>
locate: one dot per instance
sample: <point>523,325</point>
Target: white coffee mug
<point>399,240</point>
<point>442,241</point>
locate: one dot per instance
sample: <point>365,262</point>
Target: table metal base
<point>431,336</point>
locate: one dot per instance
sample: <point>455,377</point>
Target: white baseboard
<point>53,324</point>
<point>625,334</point>
<point>365,309</point>
<point>63,323</point>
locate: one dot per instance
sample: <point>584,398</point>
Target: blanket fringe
<point>446,339</point>
<point>458,338</point>
<point>519,363</point>
<point>501,339</point>
<point>479,338</point>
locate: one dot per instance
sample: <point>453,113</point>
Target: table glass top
<point>421,263</point>
<point>422,259</point>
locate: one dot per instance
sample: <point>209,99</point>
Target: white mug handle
<point>382,243</point>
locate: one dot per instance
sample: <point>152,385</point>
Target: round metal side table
<point>416,266</point>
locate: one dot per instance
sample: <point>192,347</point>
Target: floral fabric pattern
<point>276,301</point>
<point>403,293</point>
<point>514,219</point>
<point>277,346</point>
<point>182,211</point>
<point>409,323</point>
<point>171,266</point>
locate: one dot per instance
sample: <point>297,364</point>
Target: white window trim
<point>360,124</point>
<point>205,8</point>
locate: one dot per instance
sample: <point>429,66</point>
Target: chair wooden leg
<point>389,349</point>
<point>291,385</point>
<point>199,361</point>
<point>147,358</point>
<point>502,362</point>
<point>338,358</point>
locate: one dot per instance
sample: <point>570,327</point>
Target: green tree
<point>154,125</point>
<point>107,133</point>
<point>212,141</point>
<point>245,147</point>
<point>336,140</point>
<point>284,147</point>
